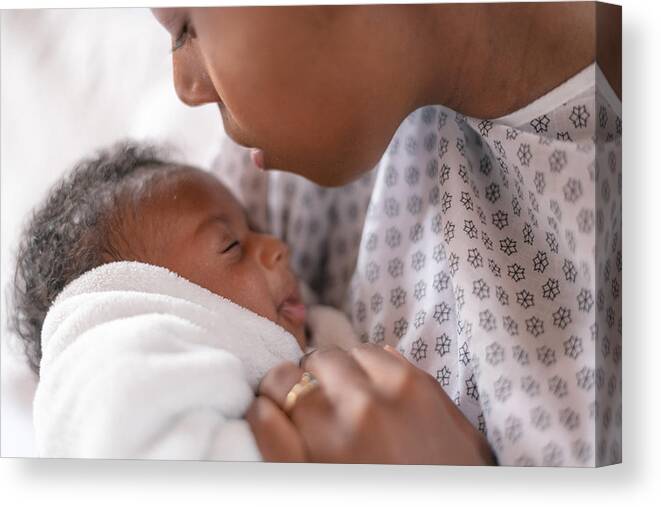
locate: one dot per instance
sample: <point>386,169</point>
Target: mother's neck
<point>491,59</point>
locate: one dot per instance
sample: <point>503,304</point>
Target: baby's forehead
<point>195,190</point>
<point>173,208</point>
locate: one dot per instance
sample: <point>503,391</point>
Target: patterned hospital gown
<point>490,254</point>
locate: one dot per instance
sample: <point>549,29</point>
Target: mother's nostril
<point>192,83</point>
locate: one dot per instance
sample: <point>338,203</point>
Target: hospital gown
<point>489,253</point>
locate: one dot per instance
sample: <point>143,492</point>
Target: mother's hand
<point>372,406</point>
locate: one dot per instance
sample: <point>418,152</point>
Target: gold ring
<point>307,383</point>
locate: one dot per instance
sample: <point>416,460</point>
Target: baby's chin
<point>297,330</point>
<point>300,335</point>
<point>293,318</point>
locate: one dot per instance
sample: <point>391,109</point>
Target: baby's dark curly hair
<point>77,228</point>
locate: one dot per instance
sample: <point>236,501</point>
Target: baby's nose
<point>274,251</point>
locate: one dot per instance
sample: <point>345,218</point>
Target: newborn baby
<point>92,289</point>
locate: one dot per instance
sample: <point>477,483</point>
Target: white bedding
<point>72,81</point>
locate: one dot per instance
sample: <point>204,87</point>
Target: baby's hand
<point>277,438</point>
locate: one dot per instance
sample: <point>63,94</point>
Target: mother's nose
<point>191,80</point>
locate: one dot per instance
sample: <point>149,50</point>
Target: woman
<point>474,245</point>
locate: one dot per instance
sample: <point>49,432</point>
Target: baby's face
<point>191,224</point>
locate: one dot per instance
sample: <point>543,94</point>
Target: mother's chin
<point>327,172</point>
<point>329,164</point>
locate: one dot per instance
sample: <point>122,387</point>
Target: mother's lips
<point>257,157</point>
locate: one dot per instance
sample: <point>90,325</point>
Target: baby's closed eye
<point>230,246</point>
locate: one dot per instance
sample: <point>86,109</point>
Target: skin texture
<point>321,89</point>
<point>191,224</point>
<point>387,411</point>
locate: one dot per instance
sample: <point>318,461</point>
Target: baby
<point>127,204</point>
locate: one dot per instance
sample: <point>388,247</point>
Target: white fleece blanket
<point>141,363</point>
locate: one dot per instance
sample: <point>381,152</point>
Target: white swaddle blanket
<point>140,363</point>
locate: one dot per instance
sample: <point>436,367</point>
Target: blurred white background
<point>72,81</point>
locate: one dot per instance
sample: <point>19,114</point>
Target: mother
<point>477,250</point>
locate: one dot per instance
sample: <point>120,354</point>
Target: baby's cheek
<point>255,296</point>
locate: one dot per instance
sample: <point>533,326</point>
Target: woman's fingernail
<point>305,356</point>
<point>392,350</point>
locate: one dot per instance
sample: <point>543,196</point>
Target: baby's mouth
<point>293,308</point>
